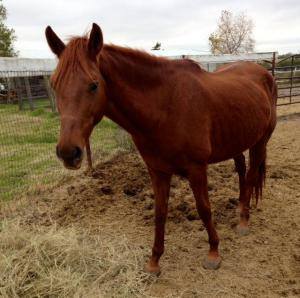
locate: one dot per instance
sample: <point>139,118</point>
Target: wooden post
<point>19,92</point>
<point>13,90</point>
<point>50,93</point>
<point>28,91</point>
<point>8,90</point>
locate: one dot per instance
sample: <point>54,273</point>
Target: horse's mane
<point>140,68</point>
<point>139,56</point>
<point>129,62</point>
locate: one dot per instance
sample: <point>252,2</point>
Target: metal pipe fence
<point>287,75</point>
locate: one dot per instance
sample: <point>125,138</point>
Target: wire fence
<point>29,128</point>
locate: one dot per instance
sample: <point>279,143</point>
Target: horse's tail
<point>258,153</point>
<point>257,171</point>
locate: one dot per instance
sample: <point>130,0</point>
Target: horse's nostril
<point>77,153</point>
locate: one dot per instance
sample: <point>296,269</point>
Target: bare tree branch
<point>233,34</point>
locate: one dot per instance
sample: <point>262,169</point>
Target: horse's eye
<point>93,86</point>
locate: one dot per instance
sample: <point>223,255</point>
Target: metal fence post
<point>292,78</point>
<point>273,63</point>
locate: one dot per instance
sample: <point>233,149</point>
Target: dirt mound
<point>123,183</point>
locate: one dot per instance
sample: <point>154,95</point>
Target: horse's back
<point>248,72</point>
<point>226,111</point>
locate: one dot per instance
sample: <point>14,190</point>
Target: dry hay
<point>67,262</point>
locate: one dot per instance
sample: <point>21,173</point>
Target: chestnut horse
<point>181,119</point>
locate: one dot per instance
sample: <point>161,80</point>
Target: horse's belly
<point>229,142</point>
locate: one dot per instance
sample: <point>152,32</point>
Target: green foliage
<point>7,36</point>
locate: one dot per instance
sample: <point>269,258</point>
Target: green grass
<point>38,104</point>
<point>27,148</point>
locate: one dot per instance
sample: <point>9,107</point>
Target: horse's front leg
<point>161,187</point>
<point>198,181</point>
<point>89,155</point>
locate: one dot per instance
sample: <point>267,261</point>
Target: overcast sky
<point>182,26</point>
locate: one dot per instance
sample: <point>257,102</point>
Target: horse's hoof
<point>152,269</point>
<point>242,230</point>
<point>211,263</point>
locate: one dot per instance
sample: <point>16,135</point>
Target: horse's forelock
<point>73,58</point>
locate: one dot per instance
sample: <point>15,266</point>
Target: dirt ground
<point>117,198</point>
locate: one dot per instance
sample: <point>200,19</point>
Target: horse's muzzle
<point>71,156</point>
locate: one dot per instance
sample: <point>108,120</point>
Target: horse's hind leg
<point>198,181</point>
<point>240,167</point>
<point>253,184</point>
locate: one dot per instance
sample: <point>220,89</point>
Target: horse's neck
<point>133,85</point>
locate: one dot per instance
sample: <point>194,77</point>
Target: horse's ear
<point>95,41</point>
<point>54,42</point>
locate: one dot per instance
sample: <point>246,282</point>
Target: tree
<point>156,47</point>
<point>7,36</point>
<point>233,34</point>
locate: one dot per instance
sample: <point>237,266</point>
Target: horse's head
<point>80,92</point>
